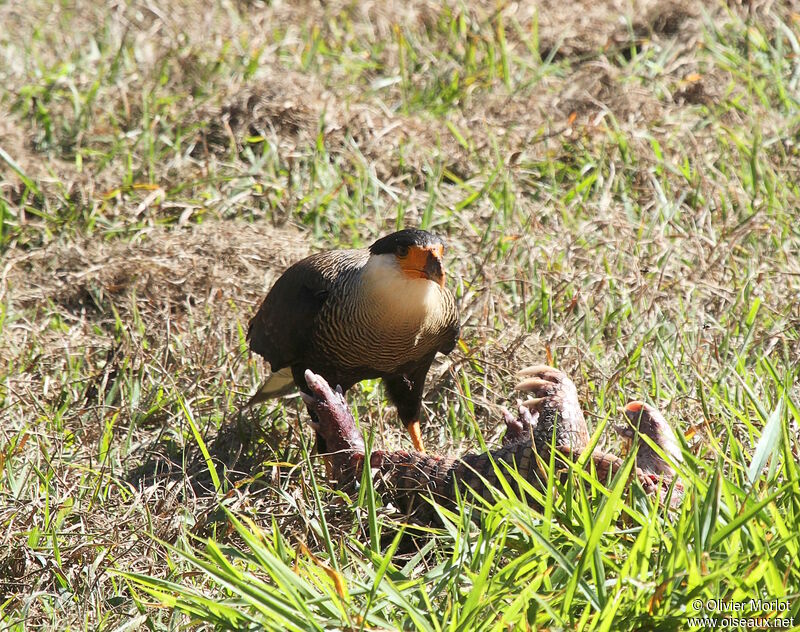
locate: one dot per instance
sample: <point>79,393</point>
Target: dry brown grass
<point>183,156</point>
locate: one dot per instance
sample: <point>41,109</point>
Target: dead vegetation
<point>615,193</point>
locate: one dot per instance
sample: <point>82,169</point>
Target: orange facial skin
<point>424,263</point>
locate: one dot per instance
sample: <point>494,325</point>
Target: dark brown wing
<point>282,328</point>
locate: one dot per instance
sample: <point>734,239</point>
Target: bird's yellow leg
<point>416,435</point>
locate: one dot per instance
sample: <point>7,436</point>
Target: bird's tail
<point>277,384</point>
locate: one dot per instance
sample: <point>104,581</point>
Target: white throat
<point>405,304</point>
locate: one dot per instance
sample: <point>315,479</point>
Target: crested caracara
<point>350,315</point>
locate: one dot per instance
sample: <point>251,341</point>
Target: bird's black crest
<point>406,237</point>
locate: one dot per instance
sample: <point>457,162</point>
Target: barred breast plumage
<point>351,315</point>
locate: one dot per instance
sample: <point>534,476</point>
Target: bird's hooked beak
<point>424,263</point>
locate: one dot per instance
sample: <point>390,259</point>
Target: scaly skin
<point>405,477</point>
<point>553,405</point>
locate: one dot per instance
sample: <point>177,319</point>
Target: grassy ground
<point>619,189</point>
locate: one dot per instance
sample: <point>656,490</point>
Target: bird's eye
<point>402,251</point>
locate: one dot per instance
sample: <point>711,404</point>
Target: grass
<point>619,195</point>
